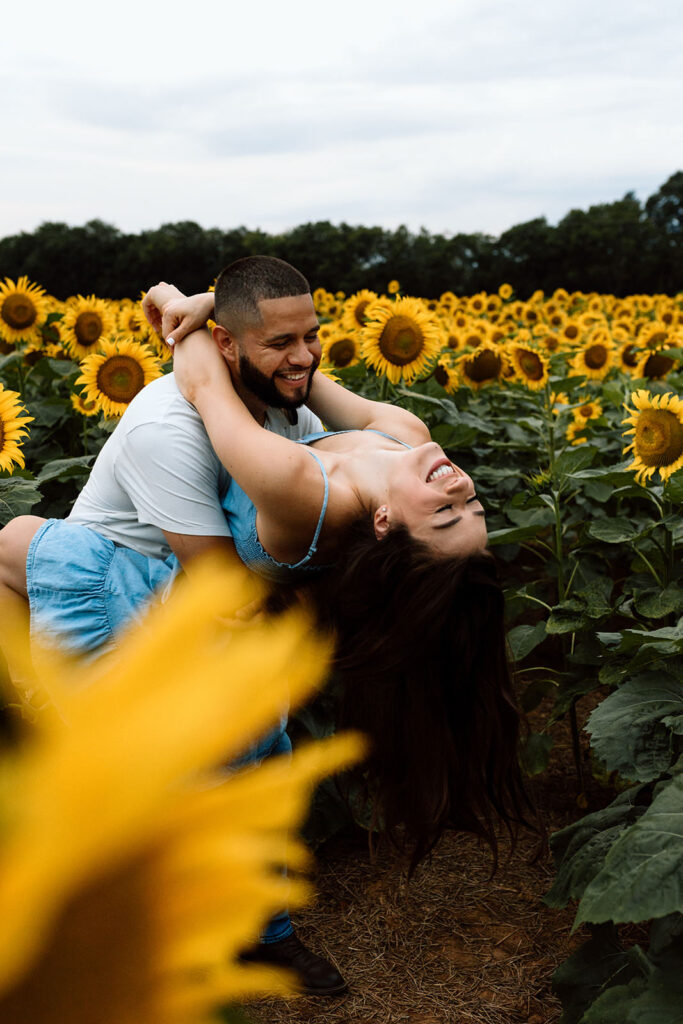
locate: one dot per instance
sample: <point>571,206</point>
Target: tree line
<point>623,247</point>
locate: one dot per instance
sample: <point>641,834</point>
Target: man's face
<point>277,359</point>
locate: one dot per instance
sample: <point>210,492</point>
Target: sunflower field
<point>567,411</point>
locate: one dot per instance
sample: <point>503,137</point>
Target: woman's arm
<point>342,410</point>
<point>173,314</point>
<point>263,463</point>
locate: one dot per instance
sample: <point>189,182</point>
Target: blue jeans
<point>83,589</point>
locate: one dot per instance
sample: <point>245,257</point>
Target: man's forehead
<point>291,307</point>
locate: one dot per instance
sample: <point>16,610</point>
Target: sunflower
<point>575,433</point>
<point>22,308</point>
<point>530,367</point>
<point>393,287</point>
<point>549,342</point>
<point>355,307</point>
<point>130,320</point>
<point>595,360</point>
<point>657,423</point>
<point>342,349</point>
<point>588,410</point>
<point>486,364</point>
<point>114,376</point>
<point>505,292</point>
<point>12,429</point>
<point>627,358</point>
<point>571,332</point>
<point>84,406</point>
<point>449,332</point>
<point>132,872</point>
<point>400,339</point>
<point>86,324</point>
<point>446,374</point>
<point>654,365</point>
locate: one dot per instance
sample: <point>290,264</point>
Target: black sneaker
<point>317,976</point>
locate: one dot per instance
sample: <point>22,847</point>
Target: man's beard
<point>265,388</point>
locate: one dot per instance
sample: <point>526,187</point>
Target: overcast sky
<point>455,115</point>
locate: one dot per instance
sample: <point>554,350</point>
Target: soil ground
<point>452,946</point>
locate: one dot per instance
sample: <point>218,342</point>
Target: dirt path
<point>451,947</point>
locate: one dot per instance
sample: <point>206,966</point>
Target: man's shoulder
<point>158,402</point>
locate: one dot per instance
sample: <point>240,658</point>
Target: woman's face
<point>436,501</point>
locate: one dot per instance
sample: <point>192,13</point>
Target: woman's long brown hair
<point>421,658</point>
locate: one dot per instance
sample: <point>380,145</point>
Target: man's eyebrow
<point>452,522</point>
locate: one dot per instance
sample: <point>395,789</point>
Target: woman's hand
<point>174,315</point>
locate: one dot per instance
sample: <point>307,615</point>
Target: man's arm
<point>343,410</point>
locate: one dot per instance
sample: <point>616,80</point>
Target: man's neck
<point>256,407</point>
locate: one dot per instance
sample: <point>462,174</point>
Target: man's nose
<point>301,355</point>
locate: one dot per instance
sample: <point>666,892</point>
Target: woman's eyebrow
<point>452,522</point>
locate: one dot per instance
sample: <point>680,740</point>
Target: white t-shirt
<point>158,472</point>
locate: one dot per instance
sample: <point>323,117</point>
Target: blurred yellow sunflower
<point>393,287</point>
<point>87,323</point>
<point>588,410</point>
<point>595,360</point>
<point>449,332</point>
<point>84,406</point>
<point>23,306</point>
<point>400,339</point>
<point>342,349</point>
<point>131,320</point>
<point>114,376</point>
<point>530,367</point>
<point>627,357</point>
<point>12,429</point>
<point>654,365</point>
<point>483,366</point>
<point>571,332</point>
<point>505,292</point>
<point>446,375</point>
<point>355,307</point>
<point>575,433</point>
<point>657,426</point>
<point>132,872</point>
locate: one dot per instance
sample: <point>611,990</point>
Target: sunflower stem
<point>649,564</point>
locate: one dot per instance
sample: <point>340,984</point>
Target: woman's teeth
<point>441,471</point>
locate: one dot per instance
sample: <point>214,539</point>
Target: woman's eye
<point>444,507</point>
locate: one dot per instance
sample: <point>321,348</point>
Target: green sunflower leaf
<point>642,876</point>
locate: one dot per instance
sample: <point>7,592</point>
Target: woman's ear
<point>381,522</point>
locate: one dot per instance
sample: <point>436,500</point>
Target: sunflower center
<point>658,365</point>
<point>571,331</point>
<point>595,357</point>
<point>441,376</point>
<point>629,355</point>
<point>401,341</point>
<point>551,343</point>
<point>531,365</point>
<point>586,411</point>
<point>120,378</point>
<point>484,366</point>
<point>18,311</point>
<point>657,339</point>
<point>360,310</point>
<point>88,328</point>
<point>341,352</point>
<point>659,437</point>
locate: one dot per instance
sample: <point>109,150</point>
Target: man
<point>154,496</point>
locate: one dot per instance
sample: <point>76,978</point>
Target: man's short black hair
<point>243,284</point>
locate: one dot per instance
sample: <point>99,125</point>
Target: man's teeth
<point>293,376</point>
<point>441,471</point>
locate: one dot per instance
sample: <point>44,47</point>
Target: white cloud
<point>456,116</point>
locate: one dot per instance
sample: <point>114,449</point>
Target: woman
<point>413,599</point>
